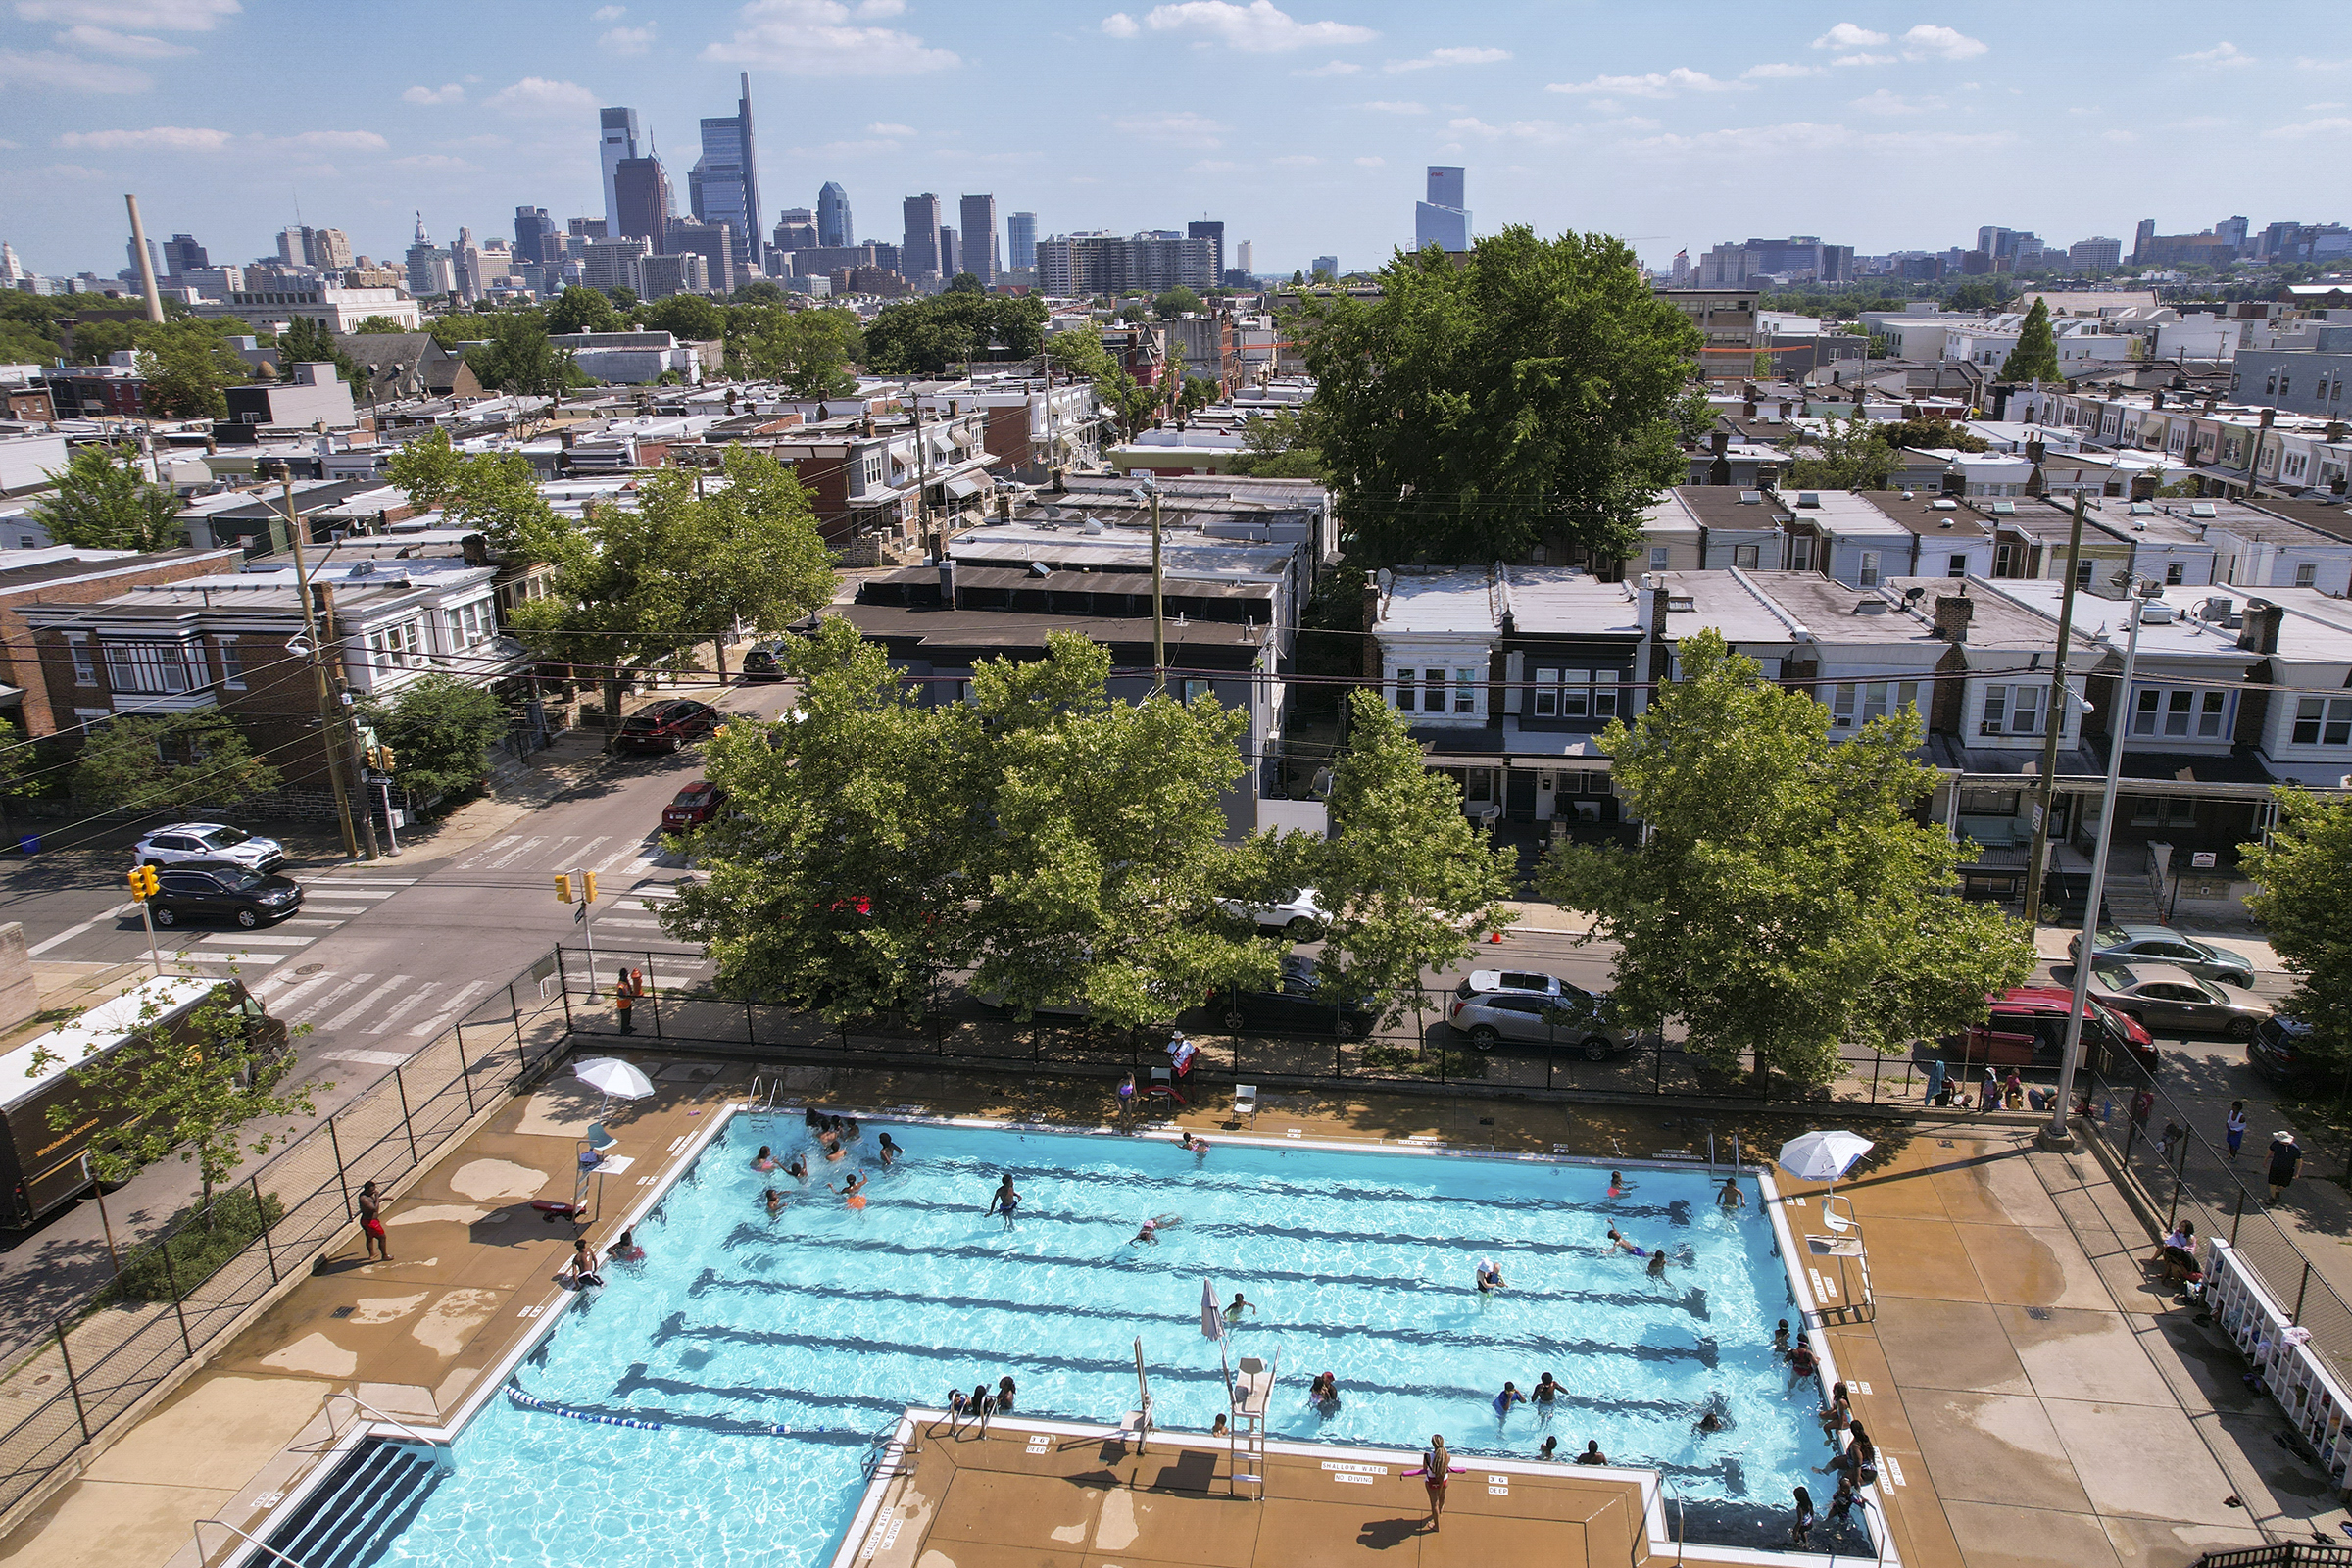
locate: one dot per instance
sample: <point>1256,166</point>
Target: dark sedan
<point>1295,1005</point>
<point>698,803</point>
<point>221,890</point>
<point>666,726</point>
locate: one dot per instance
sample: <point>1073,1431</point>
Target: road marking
<point>579,857</point>
<point>367,1059</point>
<point>457,998</point>
<point>282,987</point>
<point>240,939</point>
<point>423,990</point>
<point>332,997</point>
<point>363,881</point>
<point>487,850</point>
<point>193,955</point>
<point>115,913</point>
<point>522,848</point>
<point>363,1003</point>
<point>345,890</point>
<point>302,921</point>
<point>337,908</point>
<point>621,919</point>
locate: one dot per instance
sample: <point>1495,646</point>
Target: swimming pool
<point>826,1322</point>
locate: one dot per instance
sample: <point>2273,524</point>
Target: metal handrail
<point>196,1529</point>
<point>358,1403</point>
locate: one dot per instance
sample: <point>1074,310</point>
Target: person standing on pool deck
<point>1436,1465</point>
<point>2235,1126</point>
<point>372,1225</point>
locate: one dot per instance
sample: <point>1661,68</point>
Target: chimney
<point>2260,632</point>
<point>947,583</point>
<point>2035,450</point>
<point>2159,403</point>
<point>1722,442</point>
<point>1748,405</point>
<point>2270,416</point>
<point>475,549</point>
<point>1786,408</point>
<point>1061,483</point>
<point>1371,669</point>
<point>1005,508</point>
<point>1955,483</point>
<point>1953,613</point>
<point>2143,485</point>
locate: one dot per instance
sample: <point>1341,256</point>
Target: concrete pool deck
<point>2039,1398</point>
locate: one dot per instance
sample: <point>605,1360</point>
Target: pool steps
<point>375,1490</point>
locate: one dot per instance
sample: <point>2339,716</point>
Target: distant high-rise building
<point>920,251</point>
<point>952,260</point>
<point>641,187</point>
<point>155,259</point>
<point>2233,229</point>
<point>1244,256</point>
<point>1681,269</point>
<point>796,231</point>
<point>1441,220</point>
<point>613,262</point>
<point>430,275</point>
<point>293,247</point>
<point>1020,240</point>
<point>587,229</point>
<point>619,144</point>
<point>1214,233</point>
<point>184,255</point>
<point>2141,238</point>
<point>532,232</point>
<point>1325,264</point>
<point>1081,265</point>
<point>1800,256</point>
<point>12,270</point>
<point>715,243</point>
<point>723,186</point>
<point>2095,254</point>
<point>833,224</point>
<point>978,249</point>
<point>658,277</point>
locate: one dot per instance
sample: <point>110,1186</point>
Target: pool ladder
<point>887,1456</point>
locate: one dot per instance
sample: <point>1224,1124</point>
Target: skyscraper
<point>642,205</point>
<point>723,186</point>
<point>618,142</point>
<point>1443,221</point>
<point>952,260</point>
<point>2142,238</point>
<point>1244,256</point>
<point>1214,233</point>
<point>796,231</point>
<point>1020,240</point>
<point>920,251</point>
<point>184,255</point>
<point>979,247</point>
<point>833,225</point>
<point>532,231</point>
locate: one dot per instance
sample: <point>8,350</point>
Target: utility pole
<point>922,476</point>
<point>330,723</point>
<point>1159,625</point>
<point>2037,867</point>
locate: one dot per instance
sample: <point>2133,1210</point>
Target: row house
<point>880,476</point>
<point>2234,450</point>
<point>1032,424</point>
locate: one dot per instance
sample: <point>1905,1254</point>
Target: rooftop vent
<point>2004,508</point>
<point>1751,498</point>
<point>1945,503</point>
<point>2142,509</point>
<point>1808,498</point>
<point>1870,606</point>
<point>1680,602</point>
<point>2155,613</point>
<point>1947,522</point>
<point>2201,509</point>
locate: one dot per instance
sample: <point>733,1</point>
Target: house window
<point>1433,691</point>
<point>1801,553</point>
<point>469,625</point>
<point>1869,574</point>
<point>873,470</point>
<point>233,667</point>
<point>397,646</point>
<point>1842,707</point>
<point>85,669</point>
<point>2014,710</point>
<point>1990,802</point>
<point>1659,557</point>
<point>1604,694</point>
<point>148,668</point>
<point>1548,693</point>
<point>2322,721</point>
<point>2082,574</point>
<point>1575,694</point>
<point>1746,554</point>
<point>1465,691</point>
<point>2172,575</point>
<point>1196,691</point>
<point>1955,566</point>
<point>2307,575</point>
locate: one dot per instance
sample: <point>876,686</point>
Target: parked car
<point>208,841</point>
<point>2282,1051</point>
<point>2164,996</point>
<point>1493,1006</point>
<point>666,726</point>
<point>2026,1028</point>
<point>759,662</point>
<point>1292,911</point>
<point>698,803</point>
<point>2156,944</point>
<point>221,890</point>
<point>1295,1005</point>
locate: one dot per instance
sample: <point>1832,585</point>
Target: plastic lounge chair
<point>1245,1103</point>
<point>1164,1086</point>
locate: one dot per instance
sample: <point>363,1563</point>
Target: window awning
<point>964,484</point>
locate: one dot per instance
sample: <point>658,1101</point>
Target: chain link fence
<point>63,1390</point>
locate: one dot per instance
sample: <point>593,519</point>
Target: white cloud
<point>340,141</point>
<point>440,163</point>
<point>1387,107</point>
<point>2335,125</point>
<point>875,10</point>
<point>817,38</point>
<point>1371,163</point>
<point>1863,59</point>
<point>1258,28</point>
<point>451,93</point>
<point>1294,160</point>
<point>1929,42</point>
<point>536,96</point>
<point>1197,131</point>
<point>1337,67</point>
<point>1656,84</point>
<point>627,40</point>
<point>1119,24</point>
<point>1778,72</point>
<point>44,70</point>
<point>1448,56</point>
<point>2321,108</point>
<point>1793,138</point>
<point>2119,139</point>
<point>159,138</point>
<point>1541,132</point>
<point>1848,35</point>
<point>1884,101</point>
<point>608,13</point>
<point>140,16</point>
<point>2220,54</point>
<point>1207,166</point>
<point>881,128</point>
<point>125,45</point>
<point>2312,62</point>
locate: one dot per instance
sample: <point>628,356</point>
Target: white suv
<point>209,841</point>
<point>1493,1006</point>
<point>1292,911</point>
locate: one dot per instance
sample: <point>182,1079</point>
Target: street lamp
<point>2056,1136</point>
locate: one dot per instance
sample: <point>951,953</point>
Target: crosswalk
<point>338,897</point>
<point>603,853</point>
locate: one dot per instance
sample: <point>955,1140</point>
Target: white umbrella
<point>612,1077</point>
<point>1213,1321</point>
<point>1823,1156</point>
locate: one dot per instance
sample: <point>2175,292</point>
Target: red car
<point>2026,1028</point>
<point>698,803</point>
<point>666,726</point>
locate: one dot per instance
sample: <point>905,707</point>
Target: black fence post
<point>2180,1176</point>
<point>401,1085</point>
<point>2296,1316</point>
<point>751,1032</point>
<point>654,992</point>
<point>563,989</point>
<point>71,1384</point>
<point>172,1283</point>
<point>261,1217</point>
<point>515,1012</point>
<point>1877,1059</point>
<point>2241,1214</point>
<point>1657,1065</point>
<point>336,1143</point>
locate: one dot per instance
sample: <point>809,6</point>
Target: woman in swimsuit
<point>889,1152</point>
<point>765,1162</point>
<point>1324,1393</point>
<point>1436,1465</point>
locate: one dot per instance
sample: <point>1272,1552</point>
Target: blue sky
<point>1304,125</point>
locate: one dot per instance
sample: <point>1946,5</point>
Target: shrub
<point>200,1247</point>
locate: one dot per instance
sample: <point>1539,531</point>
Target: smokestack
<point>138,243</point>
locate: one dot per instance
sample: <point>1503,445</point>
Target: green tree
<point>520,359</point>
<point>201,1097</point>
<point>1788,903</point>
<point>2303,879</point>
<point>1175,302</point>
<point>623,297</point>
<point>106,503</point>
<point>1197,393</point>
<point>926,336</point>
<point>1081,354</point>
<point>1976,294</point>
<point>1932,435</point>
<point>1298,278</point>
<point>582,310</point>
<point>1468,412</point>
<point>186,364</point>
<point>306,342</point>
<point>377,325</point>
<point>807,352</point>
<point>430,469</point>
<point>455,329</point>
<point>1277,447</point>
<point>761,292</point>
<point>2035,357</point>
<point>139,763</point>
<point>690,317</point>
<point>439,727</point>
<point>1854,455</point>
<point>965,283</point>
<point>494,492</point>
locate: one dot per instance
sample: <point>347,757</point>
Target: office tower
<point>641,189</point>
<point>2232,230</point>
<point>467,267</point>
<point>1020,240</point>
<point>532,233</point>
<point>1441,220</point>
<point>185,255</point>
<point>1325,264</point>
<point>833,225</point>
<point>1214,233</point>
<point>1244,256</point>
<point>610,264</point>
<point>155,257</point>
<point>619,143</point>
<point>12,270</point>
<point>587,229</point>
<point>979,240</point>
<point>1073,266</point>
<point>292,245</point>
<point>2142,237</point>
<point>723,186</point>
<point>331,249</point>
<point>796,231</point>
<point>430,275</point>
<point>715,243</point>
<point>1681,269</point>
<point>2098,254</point>
<point>921,250</point>
<point>659,276</point>
<point>952,260</point>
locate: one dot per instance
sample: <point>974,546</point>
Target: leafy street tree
<point>430,469</point>
<point>1178,301</point>
<point>808,353</point>
<point>582,310</point>
<point>306,342</point>
<point>186,364</point>
<point>926,336</point>
<point>378,325</point>
<point>759,292</point>
<point>456,328</point>
<point>1082,354</point>
<point>1278,447</point>
<point>199,1097</point>
<point>2303,879</point>
<point>439,728</point>
<point>494,492</point>
<point>1932,435</point>
<point>122,763</point>
<point>1854,455</point>
<point>2035,357</point>
<point>637,587</point>
<point>1788,904</point>
<point>103,503</point>
<point>688,316</point>
<point>519,359</point>
<point>1470,413</point>
<point>965,283</point>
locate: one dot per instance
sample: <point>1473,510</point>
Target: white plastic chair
<point>1245,1103</point>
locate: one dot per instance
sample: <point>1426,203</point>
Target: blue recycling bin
<point>30,844</point>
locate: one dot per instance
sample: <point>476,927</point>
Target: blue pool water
<point>827,1321</point>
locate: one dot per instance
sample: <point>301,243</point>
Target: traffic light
<point>562,889</point>
<point>144,885</point>
<point>589,877</point>
<point>385,762</point>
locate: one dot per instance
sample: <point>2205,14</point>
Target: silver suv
<point>208,841</point>
<point>1495,1005</point>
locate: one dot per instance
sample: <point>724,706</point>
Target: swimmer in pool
<point>1618,1243</point>
<point>1550,1448</point>
<point>798,1170</point>
<point>1324,1393</point>
<point>1657,1265</point>
<point>1509,1397</point>
<point>889,1152</point>
<point>1729,1195</point>
<point>626,1249</point>
<point>1147,1236</point>
<point>1490,1278</point>
<point>765,1160</point>
<point>776,1200</point>
<point>1618,1185</point>
<point>1005,1202</point>
<point>1548,1389</point>
<point>1240,1304</point>
<point>854,1190</point>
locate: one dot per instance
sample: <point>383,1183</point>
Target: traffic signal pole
<point>144,886</point>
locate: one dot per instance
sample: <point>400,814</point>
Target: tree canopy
<point>688,316</point>
<point>519,359</point>
<point>439,728</point>
<point>1788,902</point>
<point>2303,884</point>
<point>927,335</point>
<point>582,310</point>
<point>2035,357</point>
<point>1175,302</point>
<point>494,492</point>
<point>1277,446</point>
<point>1854,455</point>
<point>1471,412</point>
<point>137,762</point>
<point>808,353</point>
<point>1082,354</point>
<point>104,502</point>
<point>187,364</point>
<point>306,342</point>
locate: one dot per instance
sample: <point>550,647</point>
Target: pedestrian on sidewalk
<point>624,1000</point>
<point>2285,1157</point>
<point>372,1224</point>
<point>1989,1097</point>
<point>2235,1126</point>
<point>2143,1106</point>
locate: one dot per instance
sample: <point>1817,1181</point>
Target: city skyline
<point>1305,128</point>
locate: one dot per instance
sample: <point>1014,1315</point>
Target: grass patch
<point>200,1245</point>
<point>1446,1061</point>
